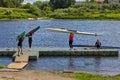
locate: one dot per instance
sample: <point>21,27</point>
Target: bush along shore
<point>82,11</point>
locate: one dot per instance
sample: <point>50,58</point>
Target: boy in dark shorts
<point>30,39</point>
<point>20,45</point>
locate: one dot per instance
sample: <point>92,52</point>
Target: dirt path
<point>31,75</point>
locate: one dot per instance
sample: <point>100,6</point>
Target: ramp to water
<point>16,65</point>
<point>20,62</point>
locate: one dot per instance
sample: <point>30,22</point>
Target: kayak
<point>33,30</point>
<point>20,35</point>
<point>107,47</point>
<point>63,30</point>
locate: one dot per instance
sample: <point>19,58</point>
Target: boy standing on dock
<point>71,38</point>
<point>20,45</point>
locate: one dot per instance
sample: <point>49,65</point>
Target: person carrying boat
<point>20,40</point>
<point>98,44</point>
<point>30,39</point>
<point>71,38</point>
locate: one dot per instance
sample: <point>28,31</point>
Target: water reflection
<point>97,61</point>
<point>70,63</point>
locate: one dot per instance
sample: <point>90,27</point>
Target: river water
<point>42,38</point>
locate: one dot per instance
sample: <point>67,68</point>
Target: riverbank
<point>31,75</point>
<point>45,75</point>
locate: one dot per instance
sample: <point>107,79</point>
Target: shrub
<point>8,12</point>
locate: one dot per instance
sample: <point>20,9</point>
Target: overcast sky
<point>31,1</point>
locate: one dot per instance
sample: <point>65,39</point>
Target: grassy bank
<point>14,13</point>
<point>3,66</point>
<point>86,76</point>
<point>84,11</point>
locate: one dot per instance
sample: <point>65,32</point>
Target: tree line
<point>59,9</point>
<point>54,4</point>
<point>10,3</point>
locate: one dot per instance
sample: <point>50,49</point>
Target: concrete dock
<point>34,53</point>
<point>83,51</point>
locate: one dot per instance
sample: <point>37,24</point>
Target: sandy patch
<point>31,75</point>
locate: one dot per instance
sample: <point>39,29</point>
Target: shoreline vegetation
<point>82,11</point>
<point>89,76</point>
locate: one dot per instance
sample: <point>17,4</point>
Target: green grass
<point>15,13</point>
<point>68,13</point>
<point>3,66</point>
<point>87,76</point>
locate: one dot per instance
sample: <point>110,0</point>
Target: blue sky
<point>31,1</point>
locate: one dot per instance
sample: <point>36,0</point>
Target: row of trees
<point>54,4</point>
<point>10,3</point>
<point>60,9</point>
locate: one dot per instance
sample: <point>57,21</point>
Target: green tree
<point>17,3</point>
<point>26,6</point>
<point>92,0</point>
<point>1,3</point>
<point>10,3</point>
<point>32,9</point>
<point>57,4</point>
<point>41,5</point>
<point>106,1</point>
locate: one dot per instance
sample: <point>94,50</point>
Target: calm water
<point>42,38</point>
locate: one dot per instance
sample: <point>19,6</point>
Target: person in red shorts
<point>71,38</point>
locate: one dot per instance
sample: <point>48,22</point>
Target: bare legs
<point>20,51</point>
